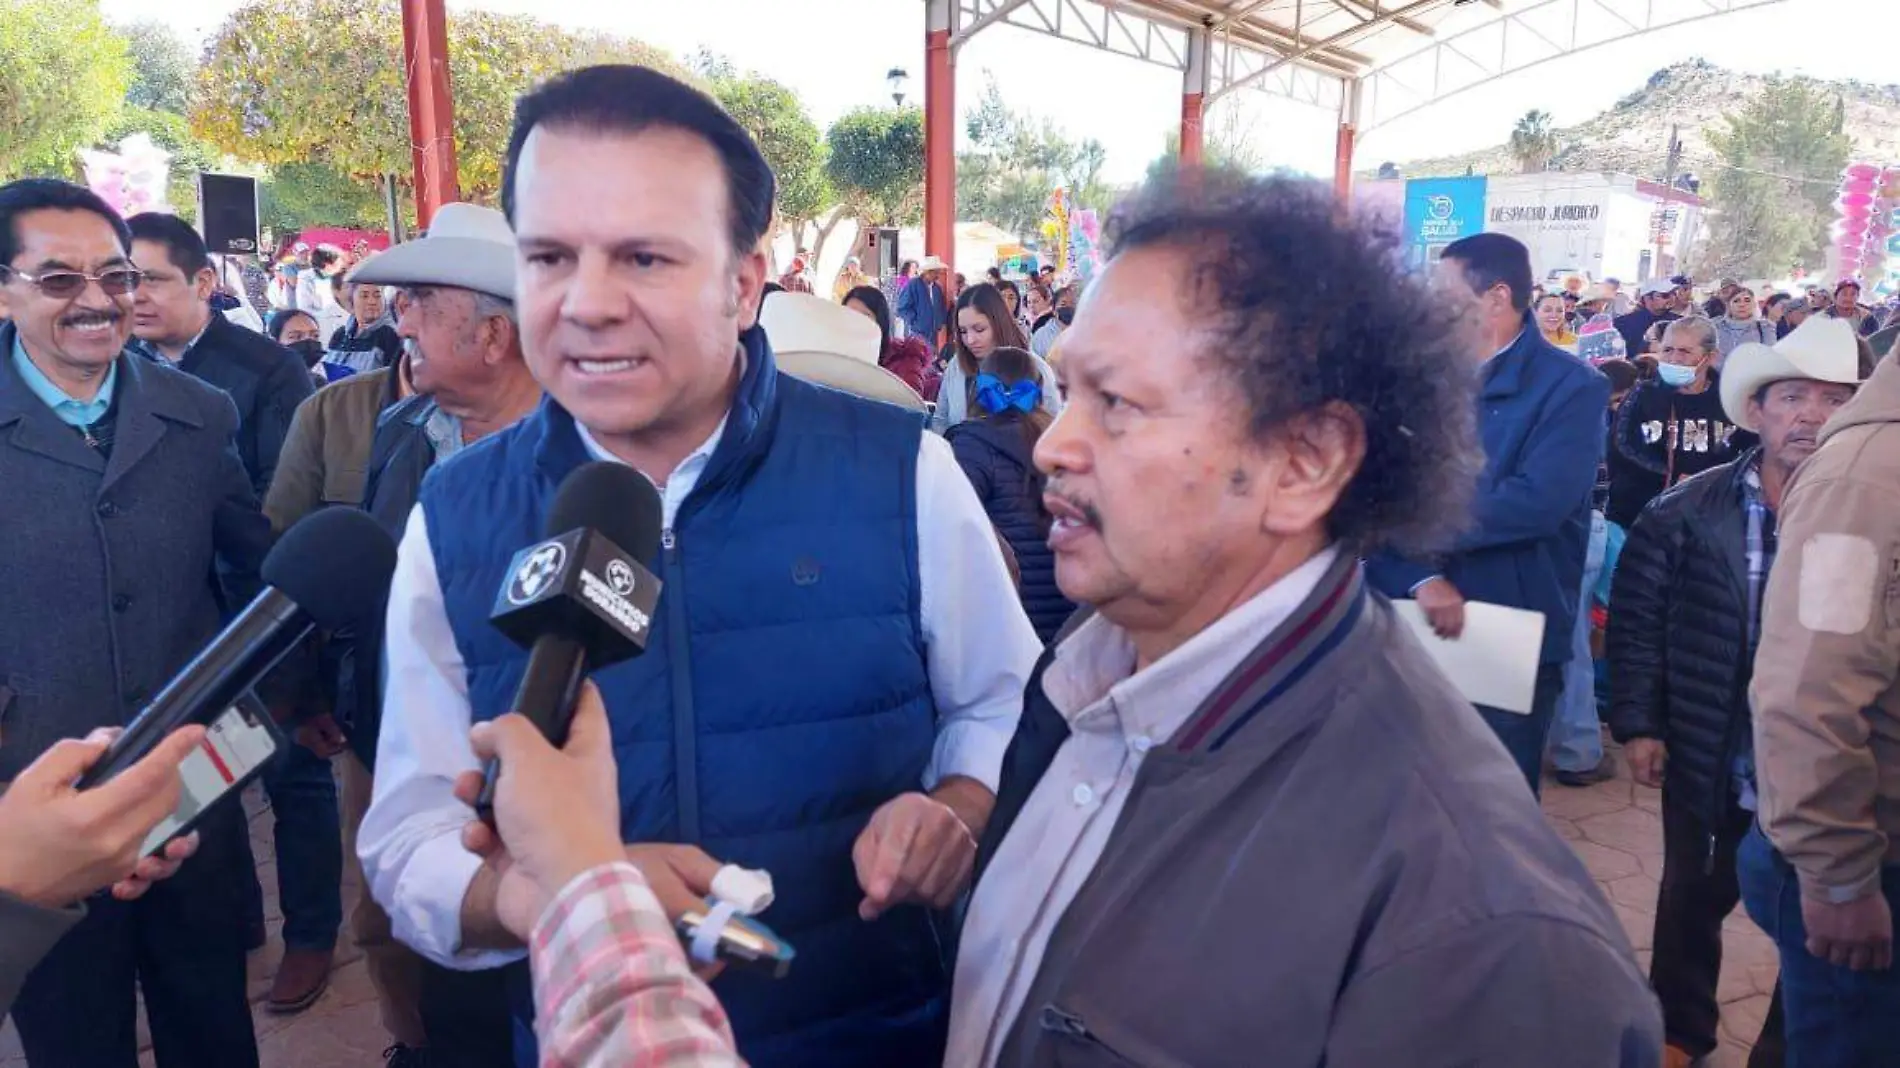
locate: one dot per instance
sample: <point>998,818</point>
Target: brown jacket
<point>1826,691</point>
<point>326,455</point>
<point>1333,862</point>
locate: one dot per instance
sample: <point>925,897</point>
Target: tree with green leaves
<point>1016,161</point>
<point>791,144</point>
<point>162,68</point>
<point>1780,156</point>
<point>321,81</point>
<point>63,77</point>
<point>875,160</point>
<point>1533,142</point>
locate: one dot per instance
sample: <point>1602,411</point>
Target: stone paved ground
<point>1613,826</point>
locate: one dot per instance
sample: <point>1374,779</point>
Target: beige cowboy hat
<point>931,263</point>
<point>1598,292</point>
<point>467,247</point>
<point>831,345</point>
<point>1821,349</point>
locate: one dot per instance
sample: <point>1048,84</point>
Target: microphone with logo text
<point>331,570</point>
<point>582,599</point>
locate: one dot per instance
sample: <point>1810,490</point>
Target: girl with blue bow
<point>996,449</point>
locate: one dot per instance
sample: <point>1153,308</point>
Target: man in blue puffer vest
<point>838,658</point>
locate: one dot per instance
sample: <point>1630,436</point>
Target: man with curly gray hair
<point>1239,772</point>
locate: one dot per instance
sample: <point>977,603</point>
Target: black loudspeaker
<point>883,249</point>
<point>227,213</point>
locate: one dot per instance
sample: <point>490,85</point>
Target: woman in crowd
<point>368,341</point>
<point>1553,321</point>
<point>1741,324</point>
<point>298,332</point>
<point>906,357</point>
<point>1042,306</point>
<point>1672,427</point>
<point>994,447</point>
<point>983,325</point>
<point>1013,300</point>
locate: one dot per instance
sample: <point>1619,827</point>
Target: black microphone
<point>582,599</point>
<point>330,570</point>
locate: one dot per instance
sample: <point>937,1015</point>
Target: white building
<point>1600,225</point>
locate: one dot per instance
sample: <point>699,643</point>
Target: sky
<point>835,54</point>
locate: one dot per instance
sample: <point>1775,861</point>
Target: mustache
<point>1090,514</point>
<point>89,316</point>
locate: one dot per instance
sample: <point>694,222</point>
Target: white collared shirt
<point>980,650</point>
<point>1116,715</point>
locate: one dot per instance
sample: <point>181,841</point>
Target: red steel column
<point>1348,140</point>
<point>940,138</point>
<point>1194,86</point>
<point>425,56</point>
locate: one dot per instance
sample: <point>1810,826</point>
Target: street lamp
<point>896,79</point>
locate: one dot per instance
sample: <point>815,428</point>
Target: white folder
<point>1494,662</point>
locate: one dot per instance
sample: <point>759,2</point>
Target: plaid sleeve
<point>612,987</point>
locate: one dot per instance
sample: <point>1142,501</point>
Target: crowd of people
<point>1038,642</point>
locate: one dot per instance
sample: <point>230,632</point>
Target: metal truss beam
<point>1123,28</point>
<point>1520,40</point>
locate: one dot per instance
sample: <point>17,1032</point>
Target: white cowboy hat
<point>931,263</point>
<point>831,345</point>
<point>1822,349</point>
<point>1597,292</point>
<point>467,247</point>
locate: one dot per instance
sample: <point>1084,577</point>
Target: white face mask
<point>1674,375</point>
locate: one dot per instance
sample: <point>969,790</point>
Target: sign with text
<point>1439,211</point>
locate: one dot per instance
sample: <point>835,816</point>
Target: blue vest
<point>783,695</point>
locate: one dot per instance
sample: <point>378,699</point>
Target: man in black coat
<point>1657,300</point>
<point>175,324</point>
<point>1684,620</point>
<point>127,509</point>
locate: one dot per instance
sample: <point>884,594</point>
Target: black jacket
<point>400,455</point>
<point>1678,642</point>
<point>266,380</point>
<point>1661,437</point>
<point>1634,325</point>
<point>995,456</point>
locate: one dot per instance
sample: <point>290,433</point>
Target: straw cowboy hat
<point>1598,292</point>
<point>831,345</point>
<point>467,247</point>
<point>930,263</point>
<point>1821,349</point>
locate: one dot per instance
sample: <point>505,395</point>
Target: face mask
<point>1065,315</point>
<point>311,351</point>
<point>1673,375</point>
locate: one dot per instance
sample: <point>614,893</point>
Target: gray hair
<point>1700,324</point>
<point>488,305</point>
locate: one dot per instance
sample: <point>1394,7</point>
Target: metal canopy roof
<point>1379,59</point>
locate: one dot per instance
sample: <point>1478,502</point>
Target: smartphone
<point>238,746</point>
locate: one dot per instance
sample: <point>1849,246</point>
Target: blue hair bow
<point>996,398</point>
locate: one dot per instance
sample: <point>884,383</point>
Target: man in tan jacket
<point>1825,879</point>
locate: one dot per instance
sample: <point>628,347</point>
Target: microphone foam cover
<point>613,500</point>
<point>336,564</point>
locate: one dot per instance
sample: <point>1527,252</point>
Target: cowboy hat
<point>1822,349</point>
<point>1599,292</point>
<point>931,263</point>
<point>1658,287</point>
<point>831,345</point>
<point>467,247</point>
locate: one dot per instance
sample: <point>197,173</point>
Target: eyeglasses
<point>65,285</point>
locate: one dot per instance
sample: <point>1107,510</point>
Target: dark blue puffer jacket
<point>996,456</point>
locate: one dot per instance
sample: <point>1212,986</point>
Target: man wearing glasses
<point>122,499</point>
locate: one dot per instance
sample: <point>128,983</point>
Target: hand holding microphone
<point>557,815</point>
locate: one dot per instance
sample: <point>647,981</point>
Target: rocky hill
<point>1633,136</point>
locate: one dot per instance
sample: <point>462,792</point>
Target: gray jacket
<point>107,576</point>
<point>27,933</point>
<point>1333,862</point>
